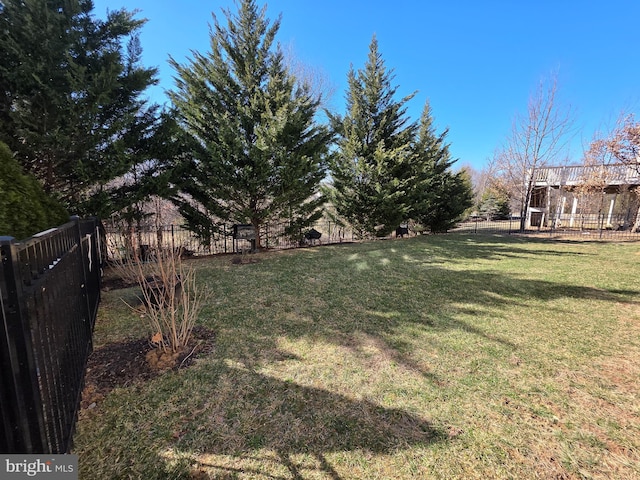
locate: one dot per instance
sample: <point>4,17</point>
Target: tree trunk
<point>158,220</point>
<point>256,226</point>
<point>636,225</point>
<point>524,210</point>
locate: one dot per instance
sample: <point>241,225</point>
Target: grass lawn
<point>431,357</point>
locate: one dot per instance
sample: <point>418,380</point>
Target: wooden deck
<point>556,177</point>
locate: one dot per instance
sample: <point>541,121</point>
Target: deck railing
<point>616,174</point>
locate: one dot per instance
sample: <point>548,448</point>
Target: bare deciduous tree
<point>538,139</point>
<point>486,179</point>
<point>624,145</point>
<point>315,78</point>
<point>596,175</point>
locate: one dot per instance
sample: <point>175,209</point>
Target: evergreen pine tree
<point>257,153</point>
<point>374,147</point>
<point>143,178</point>
<point>437,196</point>
<point>70,95</point>
<point>495,203</point>
<point>456,199</point>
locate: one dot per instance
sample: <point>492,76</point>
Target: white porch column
<point>613,202</point>
<point>546,216</point>
<point>560,212</point>
<point>574,209</point>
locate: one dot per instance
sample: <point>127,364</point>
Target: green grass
<point>431,357</point>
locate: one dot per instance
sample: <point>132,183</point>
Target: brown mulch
<point>128,363</point>
<point>112,282</point>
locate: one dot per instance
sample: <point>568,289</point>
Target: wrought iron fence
<point>49,291</point>
<point>593,226</point>
<point>143,241</point>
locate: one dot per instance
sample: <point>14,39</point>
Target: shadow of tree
<point>253,412</point>
<point>374,293</point>
<point>457,248</point>
<point>380,288</point>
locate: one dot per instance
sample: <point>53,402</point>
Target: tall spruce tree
<point>437,196</point>
<point>456,199</point>
<point>70,95</point>
<point>258,153</point>
<point>369,169</point>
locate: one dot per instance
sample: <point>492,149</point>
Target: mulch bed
<point>125,363</point>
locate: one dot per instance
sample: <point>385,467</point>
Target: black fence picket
<point>49,291</point>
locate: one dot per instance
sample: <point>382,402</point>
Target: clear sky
<point>477,62</point>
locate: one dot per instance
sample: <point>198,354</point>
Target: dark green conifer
<point>437,197</point>
<point>70,96</point>
<point>369,169</point>
<point>257,152</point>
<point>25,209</point>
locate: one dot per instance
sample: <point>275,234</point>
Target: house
<point>568,196</point>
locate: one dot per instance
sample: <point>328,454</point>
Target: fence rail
<point>49,293</point>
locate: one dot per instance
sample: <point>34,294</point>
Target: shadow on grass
<point>381,288</point>
<point>344,295</point>
<point>252,413</point>
<point>459,247</point>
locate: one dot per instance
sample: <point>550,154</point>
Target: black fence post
<point>85,253</point>
<point>173,239</point>
<point>22,415</point>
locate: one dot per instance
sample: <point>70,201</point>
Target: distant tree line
<point>242,141</point>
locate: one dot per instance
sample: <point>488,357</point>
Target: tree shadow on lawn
<point>459,247</point>
<point>237,418</point>
<point>247,413</point>
<point>251,414</point>
<point>424,296</point>
<point>429,266</point>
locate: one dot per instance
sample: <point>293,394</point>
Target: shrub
<point>171,296</point>
<point>25,209</point>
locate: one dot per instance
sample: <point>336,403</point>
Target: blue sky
<point>476,61</point>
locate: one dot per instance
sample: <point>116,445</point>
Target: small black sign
<point>244,232</point>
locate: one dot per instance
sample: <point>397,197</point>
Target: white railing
<point>617,174</point>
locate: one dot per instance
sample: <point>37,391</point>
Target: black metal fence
<point>145,240</point>
<point>123,241</point>
<point>49,291</point>
<point>587,226</point>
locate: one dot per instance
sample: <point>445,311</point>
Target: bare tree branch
<point>624,145</point>
<point>538,139</point>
